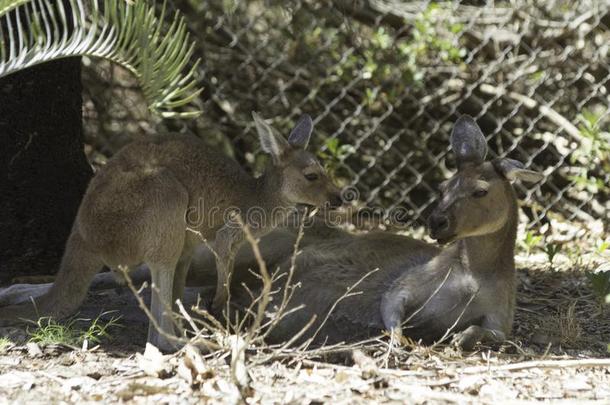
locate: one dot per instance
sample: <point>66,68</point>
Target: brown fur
<point>138,207</point>
<point>475,275</point>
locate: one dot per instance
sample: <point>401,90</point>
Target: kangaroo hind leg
<point>166,240</point>
<point>161,327</point>
<point>79,265</point>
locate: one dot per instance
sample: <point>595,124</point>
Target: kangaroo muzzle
<point>335,200</point>
<point>440,227</point>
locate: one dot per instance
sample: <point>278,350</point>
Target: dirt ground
<point>558,353</point>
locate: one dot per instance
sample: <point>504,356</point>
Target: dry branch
<point>584,363</point>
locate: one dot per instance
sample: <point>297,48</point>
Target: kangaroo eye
<point>479,193</point>
<point>312,176</point>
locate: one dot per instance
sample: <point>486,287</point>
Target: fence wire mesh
<point>385,80</point>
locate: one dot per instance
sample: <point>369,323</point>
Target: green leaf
<point>600,283</point>
<point>332,144</point>
<point>128,33</point>
<point>7,5</point>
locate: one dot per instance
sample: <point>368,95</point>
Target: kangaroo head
<point>479,198</point>
<point>303,179</point>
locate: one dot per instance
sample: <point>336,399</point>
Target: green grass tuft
<point>4,342</point>
<point>49,331</point>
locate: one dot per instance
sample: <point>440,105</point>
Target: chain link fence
<point>384,80</point>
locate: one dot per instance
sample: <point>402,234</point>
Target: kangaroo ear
<point>515,170</point>
<point>299,137</point>
<point>271,142</point>
<point>468,142</point>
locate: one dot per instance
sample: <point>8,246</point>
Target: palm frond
<point>127,33</point>
<point>7,5</point>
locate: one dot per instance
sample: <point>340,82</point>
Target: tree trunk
<point>43,168</point>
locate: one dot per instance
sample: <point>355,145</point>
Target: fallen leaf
<point>153,362</point>
<point>192,368</point>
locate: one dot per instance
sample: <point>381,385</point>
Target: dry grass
<point>517,370</point>
<point>570,331</point>
<point>558,351</point>
<point>562,328</point>
<point>555,336</point>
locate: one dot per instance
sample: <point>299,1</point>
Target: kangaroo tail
<point>78,267</point>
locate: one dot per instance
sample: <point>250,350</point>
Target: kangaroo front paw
<point>468,338</point>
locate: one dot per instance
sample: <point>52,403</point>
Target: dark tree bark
<point>43,168</point>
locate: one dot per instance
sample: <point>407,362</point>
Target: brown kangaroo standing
<point>138,207</point>
<point>466,287</point>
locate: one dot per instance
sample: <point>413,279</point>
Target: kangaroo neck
<point>264,207</point>
<point>494,252</point>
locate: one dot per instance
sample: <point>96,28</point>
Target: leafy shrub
<point>600,284</point>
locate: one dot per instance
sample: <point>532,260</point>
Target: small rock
<point>470,384</point>
<point>96,375</point>
<point>33,349</point>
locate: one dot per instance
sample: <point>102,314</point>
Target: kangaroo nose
<point>335,201</point>
<point>438,223</point>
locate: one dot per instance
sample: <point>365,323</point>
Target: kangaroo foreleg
<point>474,334</point>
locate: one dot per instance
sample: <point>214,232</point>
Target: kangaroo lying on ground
<point>467,287</point>
<point>138,207</point>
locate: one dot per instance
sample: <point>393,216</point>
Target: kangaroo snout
<point>335,200</point>
<point>439,225</point>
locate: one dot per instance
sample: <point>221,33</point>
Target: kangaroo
<point>138,207</point>
<point>466,287</point>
